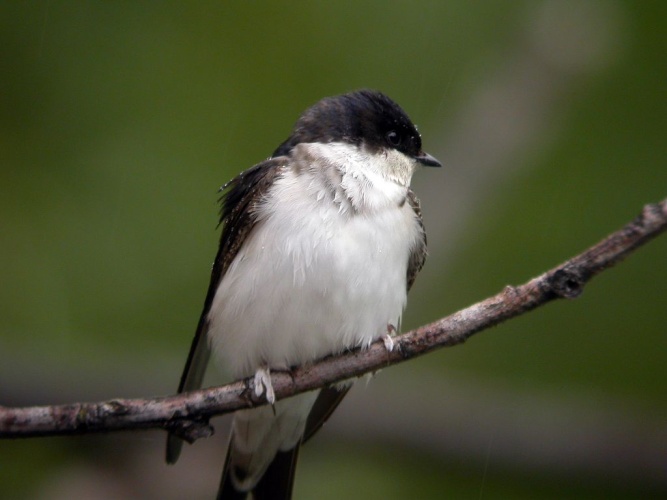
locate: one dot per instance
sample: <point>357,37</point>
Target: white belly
<point>311,281</point>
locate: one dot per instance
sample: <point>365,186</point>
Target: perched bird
<point>320,245</point>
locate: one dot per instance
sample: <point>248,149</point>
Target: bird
<point>320,244</point>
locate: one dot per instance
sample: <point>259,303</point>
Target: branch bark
<point>188,414</point>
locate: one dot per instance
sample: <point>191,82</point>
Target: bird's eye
<point>393,139</point>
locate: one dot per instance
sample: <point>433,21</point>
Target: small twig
<point>192,410</point>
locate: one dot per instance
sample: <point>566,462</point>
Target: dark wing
<point>237,215</point>
<point>327,401</point>
<point>419,253</point>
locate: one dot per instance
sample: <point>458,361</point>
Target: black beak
<point>427,160</point>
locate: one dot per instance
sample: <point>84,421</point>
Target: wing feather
<point>419,252</point>
<point>237,215</point>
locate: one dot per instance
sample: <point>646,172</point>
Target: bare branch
<point>188,413</point>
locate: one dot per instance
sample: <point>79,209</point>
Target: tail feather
<point>278,480</point>
<point>227,491</point>
<point>276,483</point>
<point>256,461</point>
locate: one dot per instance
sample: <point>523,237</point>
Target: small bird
<point>320,245</point>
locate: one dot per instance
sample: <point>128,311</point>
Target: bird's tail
<point>275,484</point>
<point>272,436</point>
<point>263,448</point>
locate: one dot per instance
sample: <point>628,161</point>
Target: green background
<point>119,120</point>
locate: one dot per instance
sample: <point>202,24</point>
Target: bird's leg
<point>263,383</point>
<point>387,338</point>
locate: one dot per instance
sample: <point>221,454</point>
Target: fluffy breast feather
<point>315,276</point>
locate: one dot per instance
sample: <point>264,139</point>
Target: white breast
<point>316,275</point>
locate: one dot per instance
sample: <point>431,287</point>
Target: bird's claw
<point>263,384</point>
<point>387,338</point>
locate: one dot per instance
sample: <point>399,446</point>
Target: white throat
<point>368,181</point>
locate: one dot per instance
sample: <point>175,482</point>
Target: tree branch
<point>188,413</point>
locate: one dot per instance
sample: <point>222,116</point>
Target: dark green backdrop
<point>119,120</point>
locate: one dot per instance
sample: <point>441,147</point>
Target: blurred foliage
<point>119,120</point>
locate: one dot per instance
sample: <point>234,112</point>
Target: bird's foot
<point>263,384</point>
<point>387,338</point>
